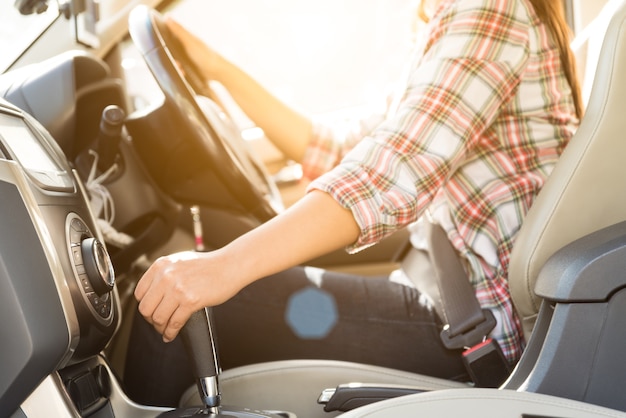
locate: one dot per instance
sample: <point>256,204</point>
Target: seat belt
<point>466,323</point>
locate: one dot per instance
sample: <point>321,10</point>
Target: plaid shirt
<point>485,115</point>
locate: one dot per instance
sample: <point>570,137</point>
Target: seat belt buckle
<point>486,364</point>
<point>470,337</point>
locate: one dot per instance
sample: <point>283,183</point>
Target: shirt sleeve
<point>474,58</point>
<point>332,139</point>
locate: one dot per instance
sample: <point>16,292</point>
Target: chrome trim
<point>123,406</point>
<point>209,392</point>
<point>11,172</point>
<point>50,399</point>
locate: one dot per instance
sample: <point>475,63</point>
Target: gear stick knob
<point>198,339</point>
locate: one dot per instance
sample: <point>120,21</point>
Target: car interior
<point>95,188</point>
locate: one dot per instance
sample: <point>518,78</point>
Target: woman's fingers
<point>148,295</point>
<point>143,285</point>
<point>160,316</point>
<point>199,52</point>
<point>151,291</point>
<point>176,322</point>
<point>184,36</point>
<point>167,295</point>
<point>167,315</point>
<point>174,26</point>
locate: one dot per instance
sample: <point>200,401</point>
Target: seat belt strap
<point>460,308</point>
<point>466,323</point>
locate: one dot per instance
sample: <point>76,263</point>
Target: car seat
<point>571,308</point>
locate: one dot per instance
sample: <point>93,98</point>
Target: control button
<point>75,236</point>
<point>78,225</point>
<point>98,266</point>
<point>77,230</point>
<point>94,300</point>
<point>80,269</point>
<point>84,281</point>
<point>77,255</point>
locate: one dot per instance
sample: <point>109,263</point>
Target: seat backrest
<point>586,191</point>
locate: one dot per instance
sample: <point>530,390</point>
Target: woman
<point>490,102</point>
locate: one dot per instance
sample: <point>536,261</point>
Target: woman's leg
<point>301,313</point>
<point>306,313</point>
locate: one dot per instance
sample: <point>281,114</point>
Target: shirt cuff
<point>348,188</point>
<point>322,152</point>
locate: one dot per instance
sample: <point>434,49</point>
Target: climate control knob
<point>98,266</point>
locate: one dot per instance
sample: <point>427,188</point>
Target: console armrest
<point>571,274</point>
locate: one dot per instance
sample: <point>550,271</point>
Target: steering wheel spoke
<point>216,139</point>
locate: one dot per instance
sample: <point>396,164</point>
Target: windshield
<point>17,32</point>
<point>324,56</point>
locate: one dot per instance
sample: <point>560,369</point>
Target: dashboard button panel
<point>92,268</point>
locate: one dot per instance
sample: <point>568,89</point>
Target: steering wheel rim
<point>238,170</point>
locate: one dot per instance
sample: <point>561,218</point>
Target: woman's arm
<point>176,286</point>
<point>288,129</point>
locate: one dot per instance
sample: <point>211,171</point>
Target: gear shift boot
<point>199,342</point>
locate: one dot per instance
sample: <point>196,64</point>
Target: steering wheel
<point>214,134</point>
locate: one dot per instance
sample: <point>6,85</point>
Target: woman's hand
<point>205,59</point>
<point>178,285</point>
<point>289,130</point>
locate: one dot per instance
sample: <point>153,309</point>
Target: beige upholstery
<point>294,385</point>
<point>481,403</point>
<point>586,191</point>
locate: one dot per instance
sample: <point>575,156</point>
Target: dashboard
<point>62,301</point>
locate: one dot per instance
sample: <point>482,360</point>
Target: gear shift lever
<point>197,335</point>
<point>198,338</point>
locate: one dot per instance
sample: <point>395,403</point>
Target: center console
<point>57,293</point>
<point>58,296</point>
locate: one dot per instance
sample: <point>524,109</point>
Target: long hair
<point>551,13</point>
